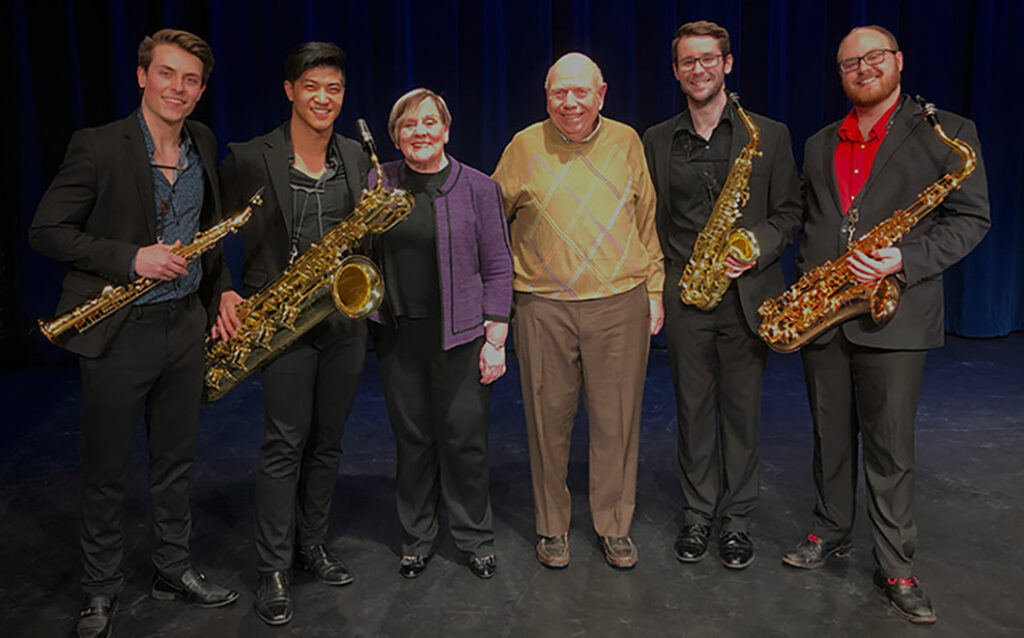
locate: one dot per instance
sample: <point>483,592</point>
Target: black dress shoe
<point>96,618</point>
<point>483,567</point>
<point>413,566</point>
<point>274,598</point>
<point>192,588</point>
<point>324,565</point>
<point>906,598</point>
<point>735,549</point>
<point>812,552</point>
<point>692,542</point>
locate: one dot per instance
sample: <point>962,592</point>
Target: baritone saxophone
<point>704,280</point>
<point>829,293</point>
<point>324,278</point>
<point>112,298</point>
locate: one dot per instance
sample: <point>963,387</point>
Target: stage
<point>969,509</point>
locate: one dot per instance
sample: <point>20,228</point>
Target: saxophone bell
<point>357,288</point>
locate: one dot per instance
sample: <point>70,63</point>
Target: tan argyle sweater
<point>582,213</point>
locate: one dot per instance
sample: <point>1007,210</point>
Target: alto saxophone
<point>829,294</point>
<point>318,281</point>
<point>704,280</point>
<point>113,298</point>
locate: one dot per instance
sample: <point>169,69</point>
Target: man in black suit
<point>717,360</point>
<point>125,196</point>
<point>314,179</point>
<point>863,378</point>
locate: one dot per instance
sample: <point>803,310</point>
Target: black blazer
<point>99,211</point>
<point>911,158</point>
<point>772,213</point>
<point>263,161</point>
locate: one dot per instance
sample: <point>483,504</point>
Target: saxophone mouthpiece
<point>732,96</point>
<point>928,110</point>
<point>257,197</point>
<point>366,137</point>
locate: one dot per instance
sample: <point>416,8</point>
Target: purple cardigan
<point>474,258</point>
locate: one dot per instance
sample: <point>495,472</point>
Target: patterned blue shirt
<point>178,206</point>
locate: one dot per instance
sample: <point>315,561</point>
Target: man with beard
<point>863,379</point>
<point>126,196</point>
<point>717,360</point>
<point>314,178</point>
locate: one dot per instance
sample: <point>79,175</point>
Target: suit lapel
<point>350,160</point>
<point>902,125</point>
<point>828,166</point>
<point>664,157</point>
<point>740,136</point>
<point>138,159</point>
<point>275,157</point>
<point>209,168</point>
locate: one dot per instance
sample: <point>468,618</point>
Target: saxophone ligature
<point>704,280</point>
<point>112,298</point>
<point>829,293</point>
<point>324,278</point>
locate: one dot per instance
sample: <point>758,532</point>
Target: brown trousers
<point>601,346</point>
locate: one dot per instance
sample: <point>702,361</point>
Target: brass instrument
<point>309,289</point>
<point>704,280</point>
<point>113,298</point>
<point>829,294</point>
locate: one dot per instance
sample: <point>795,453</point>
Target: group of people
<point>584,230</point>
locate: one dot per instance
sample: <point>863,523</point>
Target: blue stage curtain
<point>72,64</point>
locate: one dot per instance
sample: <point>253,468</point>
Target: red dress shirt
<point>855,155</point>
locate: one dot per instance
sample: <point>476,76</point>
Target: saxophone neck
<point>968,157</point>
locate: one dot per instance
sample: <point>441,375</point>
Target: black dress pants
<point>717,366</point>
<point>870,395</point>
<point>153,368</point>
<point>440,414</point>
<point>308,392</point>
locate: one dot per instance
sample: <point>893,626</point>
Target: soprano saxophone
<point>112,298</point>
<point>318,281</point>
<point>829,294</point>
<point>704,280</point>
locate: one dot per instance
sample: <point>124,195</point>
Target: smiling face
<point>316,97</point>
<point>172,85</point>
<point>869,85</point>
<point>575,95</point>
<point>422,135</point>
<point>701,84</point>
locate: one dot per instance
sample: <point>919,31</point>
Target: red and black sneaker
<point>812,552</point>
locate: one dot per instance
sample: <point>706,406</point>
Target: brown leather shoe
<point>619,551</point>
<point>553,551</point>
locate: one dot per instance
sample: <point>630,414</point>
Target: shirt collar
<point>850,132</point>
<point>333,152</point>
<point>184,143</point>
<point>685,122</point>
<point>585,139</point>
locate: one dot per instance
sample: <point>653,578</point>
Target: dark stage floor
<point>970,446</point>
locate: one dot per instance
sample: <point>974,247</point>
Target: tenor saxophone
<point>704,280</point>
<point>829,293</point>
<point>323,278</point>
<point>112,298</point>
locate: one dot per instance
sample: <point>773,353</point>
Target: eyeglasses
<point>873,58</point>
<point>707,61</point>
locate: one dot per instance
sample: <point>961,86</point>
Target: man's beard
<point>887,83</point>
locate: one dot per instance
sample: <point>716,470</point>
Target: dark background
<point>72,64</point>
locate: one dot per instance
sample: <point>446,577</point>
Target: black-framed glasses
<point>873,57</point>
<point>708,61</point>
